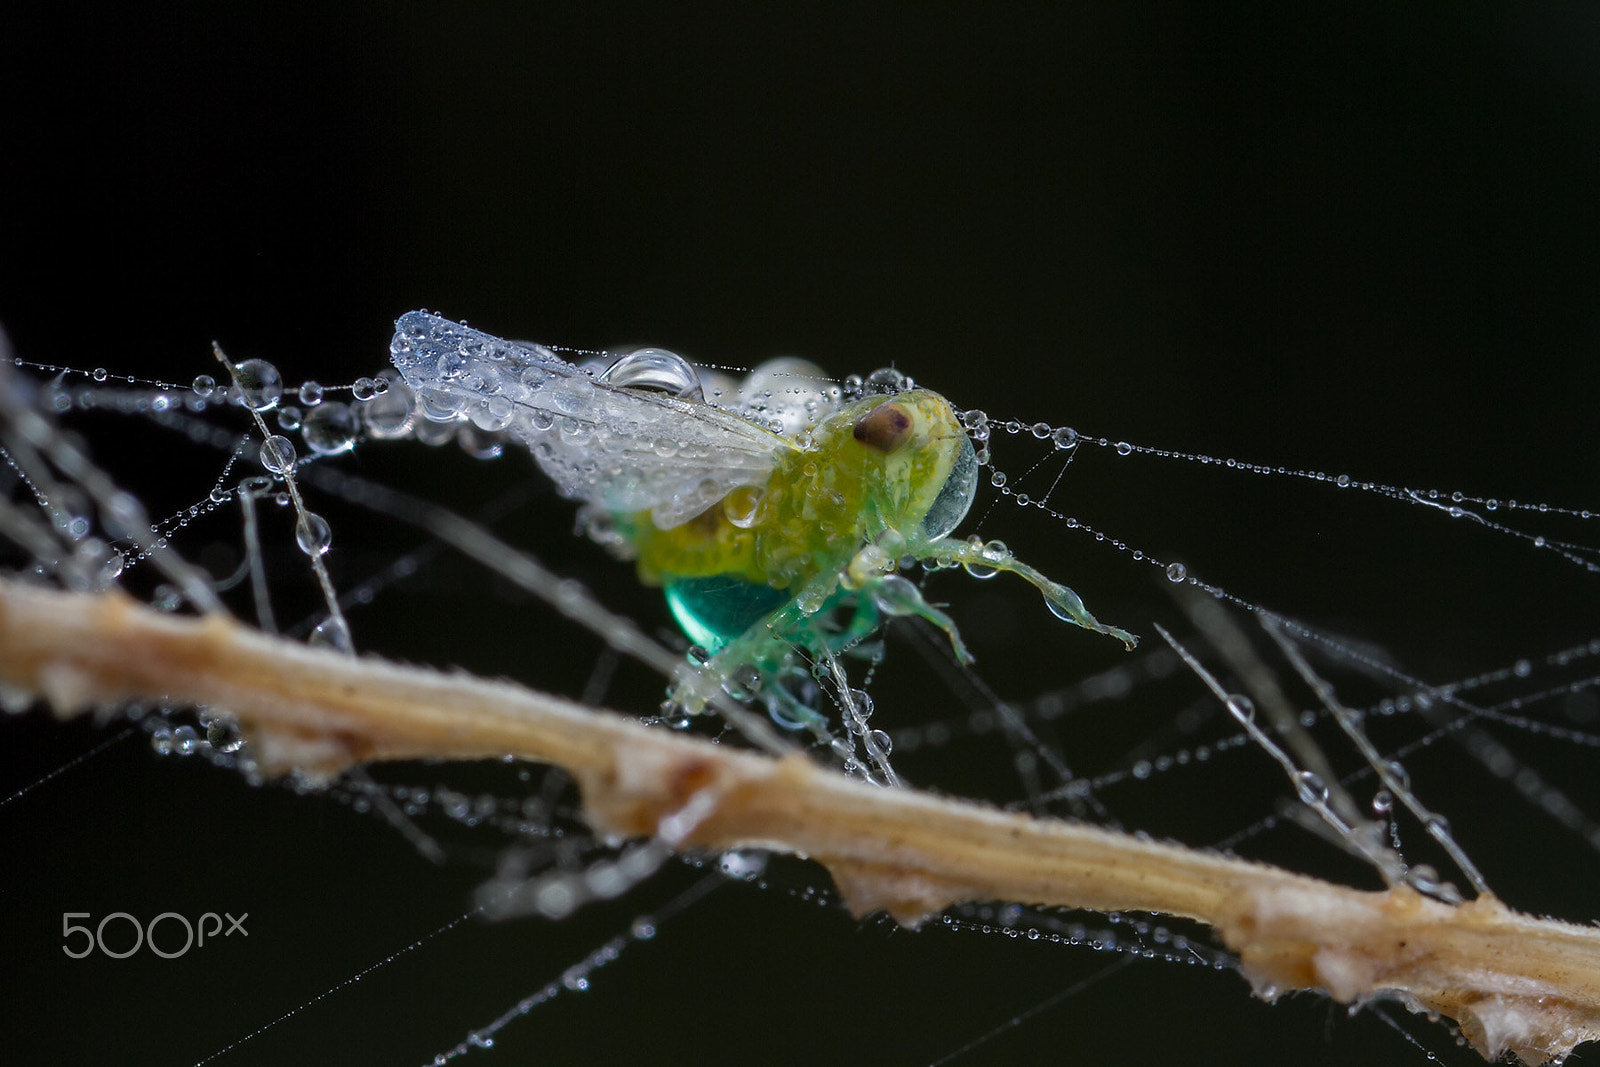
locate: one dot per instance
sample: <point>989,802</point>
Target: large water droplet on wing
<point>656,370</point>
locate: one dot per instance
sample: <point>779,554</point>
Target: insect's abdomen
<point>707,544</point>
<point>714,610</point>
<point>734,564</point>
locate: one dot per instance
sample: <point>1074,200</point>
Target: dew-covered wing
<point>623,447</point>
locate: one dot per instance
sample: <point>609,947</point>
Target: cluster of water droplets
<point>1123,934</point>
<point>1455,504</point>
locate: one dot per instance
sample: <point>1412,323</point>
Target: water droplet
<point>606,881</point>
<point>1065,437</point>
<point>330,429</point>
<point>742,506</point>
<point>885,381</point>
<point>364,389</point>
<point>997,479</point>
<point>223,735</point>
<point>1425,878</point>
<point>111,567</point>
<point>390,415</point>
<point>992,551</point>
<point>440,405</point>
<point>1041,430</point>
<point>1438,826</point>
<point>332,632</point>
<point>642,929</point>
<point>656,370</point>
<point>310,394</point>
<point>743,683</point>
<point>185,741</point>
<point>1241,707</point>
<point>1312,789</point>
<point>1398,775</point>
<point>480,444</point>
<point>881,741</point>
<point>203,385</point>
<point>313,534</point>
<point>555,899</point>
<point>1382,802</point>
<point>277,454</point>
<point>744,864</point>
<point>1124,448</point>
<point>260,384</point>
<point>289,418</point>
<point>1522,668</point>
<point>1177,572</point>
<point>99,374</point>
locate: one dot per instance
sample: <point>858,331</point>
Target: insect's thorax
<point>821,502</point>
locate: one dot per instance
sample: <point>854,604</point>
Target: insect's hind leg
<point>754,665</point>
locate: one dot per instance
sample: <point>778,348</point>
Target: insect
<point>777,524</point>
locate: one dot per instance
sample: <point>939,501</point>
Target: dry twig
<point>1512,982</point>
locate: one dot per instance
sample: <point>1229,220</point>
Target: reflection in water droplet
<point>260,384</point>
<point>277,454</point>
<point>1312,789</point>
<point>330,429</point>
<point>332,632</point>
<point>313,534</point>
<point>656,370</point>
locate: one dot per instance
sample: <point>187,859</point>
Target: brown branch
<point>1512,982</point>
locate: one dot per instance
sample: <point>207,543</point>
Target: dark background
<point>1361,238</point>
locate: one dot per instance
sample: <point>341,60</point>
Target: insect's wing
<point>623,449</point>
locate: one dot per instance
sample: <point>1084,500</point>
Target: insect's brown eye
<point>886,427</point>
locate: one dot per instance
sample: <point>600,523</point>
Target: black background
<point>1355,239</point>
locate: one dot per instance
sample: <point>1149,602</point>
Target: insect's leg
<point>897,596</point>
<point>791,710</point>
<point>866,620</point>
<point>991,557</point>
<point>750,665</point>
<point>736,668</point>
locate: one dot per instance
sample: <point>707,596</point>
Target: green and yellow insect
<point>777,519</point>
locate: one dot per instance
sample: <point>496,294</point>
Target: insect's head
<point>919,468</point>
